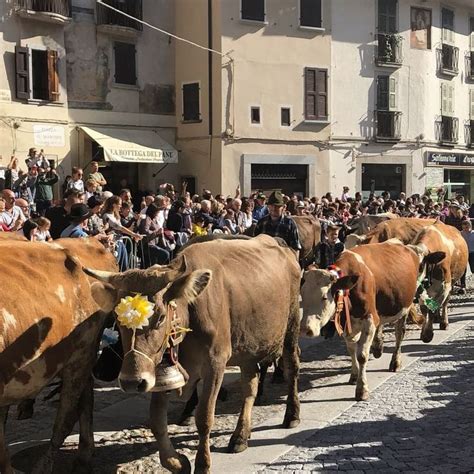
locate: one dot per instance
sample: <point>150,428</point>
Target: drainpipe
<point>209,61</point>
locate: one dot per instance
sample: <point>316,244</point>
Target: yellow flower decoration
<point>133,312</point>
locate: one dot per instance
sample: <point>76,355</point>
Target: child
<point>42,233</point>
<point>198,226</point>
<point>29,230</point>
<point>468,235</point>
<point>228,222</point>
<point>327,252</point>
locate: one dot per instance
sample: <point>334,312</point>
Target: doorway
<point>378,178</point>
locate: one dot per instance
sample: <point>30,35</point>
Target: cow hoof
<point>352,379</point>
<point>290,423</point>
<point>443,326</point>
<point>237,445</point>
<point>377,352</point>
<point>186,420</point>
<point>427,337</point>
<point>362,395</point>
<point>178,464</point>
<point>259,401</point>
<point>394,366</point>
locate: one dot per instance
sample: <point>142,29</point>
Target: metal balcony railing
<point>389,49</point>
<point>447,130</point>
<point>469,133</point>
<point>388,125</point>
<point>106,16</point>
<point>470,65</point>
<point>56,7</point>
<point>448,60</point>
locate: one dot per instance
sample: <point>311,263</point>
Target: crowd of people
<point>151,229</point>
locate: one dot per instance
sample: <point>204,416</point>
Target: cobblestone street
<point>420,419</point>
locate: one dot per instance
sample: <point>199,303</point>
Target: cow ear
<point>346,282</point>
<point>105,295</point>
<point>435,257</point>
<point>189,286</point>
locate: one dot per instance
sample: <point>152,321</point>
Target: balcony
<point>51,11</point>
<point>469,133</point>
<point>388,126</point>
<point>447,129</point>
<point>389,50</point>
<point>111,21</point>
<point>470,65</point>
<point>448,60</point>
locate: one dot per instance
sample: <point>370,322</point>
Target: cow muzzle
<point>138,384</point>
<point>312,327</point>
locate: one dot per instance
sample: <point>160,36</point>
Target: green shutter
<point>382,93</point>
<point>392,93</point>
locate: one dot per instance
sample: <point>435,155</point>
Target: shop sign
<point>49,136</point>
<point>449,159</point>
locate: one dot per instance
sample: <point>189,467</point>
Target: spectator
<point>278,225</point>
<point>127,217</point>
<point>95,224</point>
<point>468,235</point>
<point>455,217</point>
<point>345,194</point>
<point>36,159</point>
<point>3,225</point>
<point>300,209</point>
<point>44,190</point>
<point>260,210</point>
<point>42,233</point>
<point>199,227</point>
<point>247,208</point>
<point>78,217</point>
<point>59,215</point>
<point>97,176</point>
<point>239,216</point>
<point>76,183</point>
<point>12,173</point>
<point>228,222</point>
<point>111,217</point>
<point>328,251</point>
<point>29,230</point>
<point>91,188</point>
<point>12,217</point>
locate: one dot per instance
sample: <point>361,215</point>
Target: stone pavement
<point>421,420</point>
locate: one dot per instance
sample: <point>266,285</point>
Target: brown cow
<point>241,311</point>
<point>49,326</point>
<point>382,279</point>
<point>441,238</point>
<point>404,229</point>
<point>363,224</point>
<point>309,230</point>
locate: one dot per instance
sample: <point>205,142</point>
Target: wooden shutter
<point>392,93</point>
<point>125,63</point>
<point>311,13</point>
<point>387,16</point>
<point>310,93</point>
<point>22,70</point>
<point>322,94</point>
<point>53,77</point>
<point>253,10</point>
<point>471,104</point>
<point>382,93</point>
<point>191,110</point>
<point>447,99</point>
<point>471,29</point>
<point>448,25</point>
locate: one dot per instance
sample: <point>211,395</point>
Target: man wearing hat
<point>260,210</point>
<point>276,224</point>
<point>78,216</point>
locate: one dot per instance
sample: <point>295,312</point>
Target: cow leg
<point>86,428</point>
<point>25,409</point>
<point>444,324</point>
<point>427,328</point>
<point>169,458</point>
<point>261,382</point>
<point>191,404</point>
<point>291,362</point>
<point>5,462</point>
<point>400,329</point>
<point>377,344</point>
<point>351,344</point>
<point>212,381</point>
<point>249,380</point>
<point>363,350</point>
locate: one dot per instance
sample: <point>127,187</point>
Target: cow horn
<point>99,274</point>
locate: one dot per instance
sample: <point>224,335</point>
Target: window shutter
<point>450,88</point>
<point>125,63</point>
<point>22,71</point>
<point>191,110</point>
<point>310,94</point>
<point>382,93</point>
<point>392,93</point>
<point>311,13</point>
<point>387,16</point>
<point>447,99</point>
<point>253,10</point>
<point>53,77</point>
<point>447,17</point>
<point>471,29</point>
<point>471,104</point>
<point>322,94</point>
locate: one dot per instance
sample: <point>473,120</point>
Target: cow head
<point>318,299</point>
<point>353,240</point>
<point>144,350</point>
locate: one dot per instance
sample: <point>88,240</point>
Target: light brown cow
<point>309,230</point>
<point>382,279</point>
<point>447,239</point>
<point>49,326</point>
<point>240,298</point>
<point>404,229</point>
<point>363,224</point>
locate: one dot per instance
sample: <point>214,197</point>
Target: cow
<point>404,229</point>
<point>439,237</point>
<point>381,281</point>
<point>50,326</point>
<point>309,230</point>
<point>363,224</point>
<point>240,310</point>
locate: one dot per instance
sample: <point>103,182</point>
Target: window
<point>447,99</point>
<point>316,94</point>
<point>252,10</point>
<point>125,63</point>
<point>471,103</point>
<point>471,31</point>
<point>285,117</point>
<point>387,17</point>
<point>311,13</point>
<point>447,21</point>
<point>36,74</point>
<point>191,108</point>
<point>255,115</point>
<point>386,93</point>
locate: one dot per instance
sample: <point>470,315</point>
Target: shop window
<point>253,10</point>
<point>125,63</point>
<point>36,74</point>
<point>255,115</point>
<point>285,116</point>
<point>311,13</point>
<point>191,106</point>
<point>316,94</point>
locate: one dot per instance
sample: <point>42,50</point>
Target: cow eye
<point>325,298</point>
